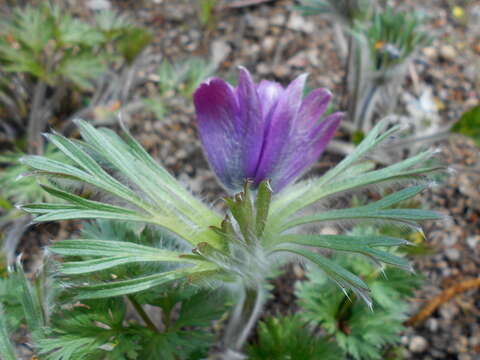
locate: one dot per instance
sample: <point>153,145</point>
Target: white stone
<point>99,5</point>
<point>220,50</point>
<point>418,344</point>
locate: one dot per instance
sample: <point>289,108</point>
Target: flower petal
<point>269,92</point>
<point>306,152</point>
<point>217,117</point>
<point>250,126</point>
<point>313,107</point>
<point>279,128</point>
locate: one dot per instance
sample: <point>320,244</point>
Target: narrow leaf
<point>264,196</point>
<point>341,276</point>
<point>124,287</point>
<point>30,303</point>
<point>364,245</point>
<point>407,216</point>
<point>7,350</point>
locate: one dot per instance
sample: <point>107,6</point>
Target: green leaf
<point>209,217</point>
<point>469,124</point>
<point>79,208</point>
<point>360,332</point>
<point>6,347</point>
<point>133,41</point>
<point>95,247</point>
<point>124,287</point>
<point>161,199</point>
<point>82,69</point>
<point>262,205</point>
<point>241,208</point>
<point>30,302</point>
<point>403,170</point>
<point>112,255</point>
<point>288,338</point>
<point>364,245</point>
<point>89,331</point>
<point>342,277</point>
<point>337,180</point>
<point>396,197</point>
<point>104,182</point>
<point>406,216</point>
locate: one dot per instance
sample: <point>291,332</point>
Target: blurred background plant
<point>178,80</point>
<point>54,68</point>
<point>49,58</point>
<point>379,63</point>
<point>469,124</point>
<point>17,188</point>
<point>290,337</point>
<point>206,14</point>
<point>378,44</point>
<point>345,14</point>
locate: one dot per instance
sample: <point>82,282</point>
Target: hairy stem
<point>348,72</point>
<point>367,109</point>
<point>259,296</point>
<point>242,321</point>
<point>37,119</point>
<point>143,314</point>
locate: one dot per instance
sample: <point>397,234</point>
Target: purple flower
<point>262,131</point>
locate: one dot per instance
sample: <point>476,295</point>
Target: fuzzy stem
<point>259,296</point>
<point>348,72</point>
<point>354,100</point>
<point>367,108</point>
<point>143,314</point>
<point>243,319</point>
<point>37,119</point>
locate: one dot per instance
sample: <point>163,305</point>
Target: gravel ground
<point>275,42</point>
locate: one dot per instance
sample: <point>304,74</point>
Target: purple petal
<point>269,92</point>
<point>250,126</point>
<point>313,107</point>
<point>306,152</point>
<point>279,128</point>
<point>217,117</point>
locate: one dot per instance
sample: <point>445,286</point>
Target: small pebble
<point>448,52</point>
<point>430,52</point>
<point>418,344</point>
<point>432,324</point>
<point>453,254</point>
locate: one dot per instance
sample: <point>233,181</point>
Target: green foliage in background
<point>469,124</point>
<point>347,11</point>
<point>178,79</point>
<point>289,338</point>
<point>359,331</point>
<point>52,45</point>
<point>206,14</point>
<point>49,58</point>
<point>16,186</point>
<point>392,36</point>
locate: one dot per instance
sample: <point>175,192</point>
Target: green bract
<point>243,245</point>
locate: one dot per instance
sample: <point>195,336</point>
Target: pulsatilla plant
<point>258,138</point>
<point>384,50</point>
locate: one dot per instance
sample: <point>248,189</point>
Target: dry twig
<point>442,298</point>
